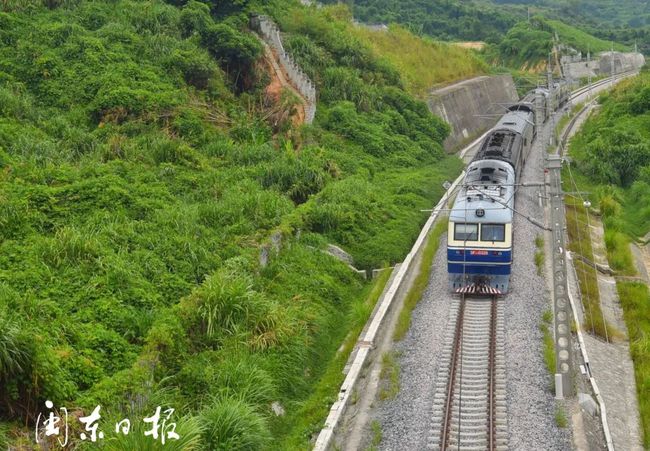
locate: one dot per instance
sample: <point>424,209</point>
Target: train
<point>480,234</point>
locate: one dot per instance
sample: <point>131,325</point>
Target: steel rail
<point>453,365</point>
<point>492,365</point>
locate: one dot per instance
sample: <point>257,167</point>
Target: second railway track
<point>469,408</point>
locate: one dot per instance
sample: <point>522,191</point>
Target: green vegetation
<point>421,280</point>
<point>580,244</point>
<point>512,40</point>
<point>389,376</point>
<point>142,170</point>
<point>308,416</point>
<point>549,343</point>
<point>422,62</point>
<point>635,299</point>
<point>581,40</point>
<point>624,21</point>
<point>528,44</point>
<point>441,19</point>
<point>539,254</point>
<point>564,122</point>
<point>612,156</point>
<point>376,435</point>
<point>560,417</point>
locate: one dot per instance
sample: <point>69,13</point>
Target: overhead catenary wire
<point>585,305</point>
<point>593,265</point>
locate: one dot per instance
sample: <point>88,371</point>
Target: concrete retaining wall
<point>605,63</point>
<point>472,106</point>
<point>582,69</point>
<point>616,62</point>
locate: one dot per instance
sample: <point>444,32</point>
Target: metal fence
<point>271,35</point>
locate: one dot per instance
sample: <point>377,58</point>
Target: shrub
<point>232,424</point>
<point>189,430</point>
<point>233,48</point>
<point>70,246</point>
<point>609,207</point>
<point>297,176</point>
<point>196,67</point>
<point>225,302</point>
<point>195,18</point>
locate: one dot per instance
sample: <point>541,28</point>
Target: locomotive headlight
<point>480,212</point>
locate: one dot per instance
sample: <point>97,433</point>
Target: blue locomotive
<point>479,239</point>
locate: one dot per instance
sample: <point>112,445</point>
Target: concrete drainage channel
<point>357,395</point>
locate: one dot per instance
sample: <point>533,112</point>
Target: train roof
<point>488,186</point>
<point>499,145</point>
<point>516,121</point>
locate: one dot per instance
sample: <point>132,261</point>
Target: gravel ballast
<point>406,419</point>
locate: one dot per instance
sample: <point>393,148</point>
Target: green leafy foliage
<point>139,178</point>
<point>233,424</point>
<point>443,19</point>
<point>622,195</point>
<point>634,299</point>
<point>613,151</point>
<point>529,43</point>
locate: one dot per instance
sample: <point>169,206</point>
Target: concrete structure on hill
<point>603,64</point>
<point>472,106</point>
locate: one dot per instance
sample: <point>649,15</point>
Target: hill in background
<point>584,24</point>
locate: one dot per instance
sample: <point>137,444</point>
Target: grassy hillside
<point>612,161</point>
<point>504,24</point>
<point>422,63</point>
<point>612,13</point>
<point>142,168</point>
<point>613,150</point>
<point>623,21</point>
<point>528,43</point>
<point>442,19</point>
<point>582,41</point>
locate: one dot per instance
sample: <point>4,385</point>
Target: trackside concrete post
<point>563,348</point>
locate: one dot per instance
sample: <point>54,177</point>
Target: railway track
<point>469,407</point>
<point>584,89</point>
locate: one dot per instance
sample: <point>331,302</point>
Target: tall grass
<point>580,243</point>
<point>549,343</point>
<point>581,40</point>
<point>422,62</point>
<point>618,252</point>
<point>635,298</point>
<point>539,254</point>
<point>389,375</point>
<point>189,430</point>
<point>230,423</point>
<point>307,418</point>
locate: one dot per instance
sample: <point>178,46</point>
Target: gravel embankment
<point>405,420</point>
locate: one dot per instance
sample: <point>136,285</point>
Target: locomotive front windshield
<point>465,232</point>
<point>493,232</point>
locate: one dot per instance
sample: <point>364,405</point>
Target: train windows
<point>493,232</point>
<point>465,232</point>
